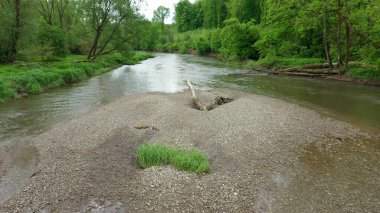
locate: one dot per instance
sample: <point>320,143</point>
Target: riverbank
<point>29,78</point>
<point>255,145</point>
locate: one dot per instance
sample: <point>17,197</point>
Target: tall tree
<point>106,16</point>
<point>161,14</point>
<point>12,25</point>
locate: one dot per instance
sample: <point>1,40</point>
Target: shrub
<point>202,46</point>
<point>53,41</point>
<point>238,39</point>
<point>183,47</point>
<point>368,73</point>
<point>6,92</point>
<point>160,154</point>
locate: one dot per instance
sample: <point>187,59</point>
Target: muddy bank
<point>254,145</point>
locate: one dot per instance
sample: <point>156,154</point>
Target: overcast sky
<point>148,6</point>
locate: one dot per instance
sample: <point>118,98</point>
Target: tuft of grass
<point>160,154</point>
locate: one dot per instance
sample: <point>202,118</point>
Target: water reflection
<point>354,103</point>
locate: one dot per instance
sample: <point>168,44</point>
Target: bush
<point>202,47</point>
<point>238,39</point>
<point>215,40</point>
<point>6,92</point>
<point>160,154</point>
<point>53,41</point>
<point>368,73</point>
<point>183,47</point>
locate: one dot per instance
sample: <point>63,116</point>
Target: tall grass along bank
<point>29,78</point>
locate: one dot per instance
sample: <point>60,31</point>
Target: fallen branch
<point>217,101</point>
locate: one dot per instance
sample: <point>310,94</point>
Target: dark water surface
<point>23,119</point>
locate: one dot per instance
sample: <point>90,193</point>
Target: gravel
<point>253,143</point>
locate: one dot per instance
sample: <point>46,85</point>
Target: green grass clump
<point>160,154</point>
<point>281,63</point>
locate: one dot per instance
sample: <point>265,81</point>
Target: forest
<point>271,33</point>
<point>262,34</point>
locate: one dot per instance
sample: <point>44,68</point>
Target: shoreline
<point>330,77</point>
<point>247,141</point>
<point>51,75</point>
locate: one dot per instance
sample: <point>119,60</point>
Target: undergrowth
<point>160,154</point>
<point>281,63</point>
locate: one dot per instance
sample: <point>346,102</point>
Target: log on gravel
<point>219,100</point>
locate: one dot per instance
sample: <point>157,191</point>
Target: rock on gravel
<point>89,165</point>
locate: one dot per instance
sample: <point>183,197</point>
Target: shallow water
<point>359,104</point>
<point>23,119</point>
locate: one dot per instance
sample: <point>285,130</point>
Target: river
<point>22,119</point>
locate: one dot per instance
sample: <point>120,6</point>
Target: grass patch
<point>160,154</point>
<point>37,76</point>
<point>364,72</point>
<point>281,63</point>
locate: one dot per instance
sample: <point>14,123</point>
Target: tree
<point>161,14</point>
<point>246,10</point>
<point>11,11</point>
<point>105,18</point>
<point>188,16</point>
<point>215,13</point>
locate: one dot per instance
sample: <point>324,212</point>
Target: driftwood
<point>219,100</point>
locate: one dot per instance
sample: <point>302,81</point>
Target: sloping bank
<point>265,154</point>
<point>21,80</point>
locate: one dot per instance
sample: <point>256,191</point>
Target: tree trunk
<point>339,35</point>
<point>12,48</point>
<point>348,44</point>
<point>217,101</point>
<point>325,41</point>
<point>94,46</point>
<point>348,35</point>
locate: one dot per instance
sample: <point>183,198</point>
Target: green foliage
<point>53,41</point>
<point>215,13</point>
<point>202,46</point>
<point>160,155</point>
<point>246,10</point>
<point>238,40</point>
<point>215,40</point>
<point>6,92</point>
<point>184,46</point>
<point>188,16</point>
<point>280,63</point>
<point>161,14</point>
<point>372,73</point>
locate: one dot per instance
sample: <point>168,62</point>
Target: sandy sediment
<point>89,164</point>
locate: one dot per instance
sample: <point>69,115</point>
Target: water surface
<point>23,119</point>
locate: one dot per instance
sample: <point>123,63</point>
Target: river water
<point>21,120</point>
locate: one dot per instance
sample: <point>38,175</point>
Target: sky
<point>148,6</point>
